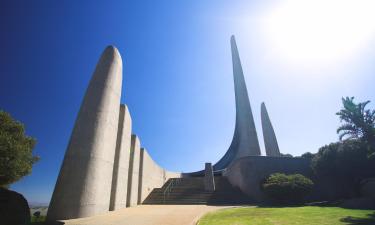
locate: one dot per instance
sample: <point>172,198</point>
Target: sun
<point>318,31</point>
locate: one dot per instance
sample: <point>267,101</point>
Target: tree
<point>16,159</point>
<point>344,164</point>
<point>308,155</point>
<point>286,155</point>
<point>359,123</point>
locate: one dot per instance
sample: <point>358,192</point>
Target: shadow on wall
<point>247,173</point>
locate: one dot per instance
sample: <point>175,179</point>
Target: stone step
<point>191,191</point>
<point>175,203</point>
<point>197,193</point>
<point>196,201</point>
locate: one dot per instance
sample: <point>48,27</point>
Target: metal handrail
<point>168,189</point>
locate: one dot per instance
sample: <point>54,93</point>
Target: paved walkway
<point>149,215</point>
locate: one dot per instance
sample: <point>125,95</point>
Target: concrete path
<point>149,215</point>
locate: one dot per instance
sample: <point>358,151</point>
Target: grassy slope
<point>307,215</point>
<point>35,220</point>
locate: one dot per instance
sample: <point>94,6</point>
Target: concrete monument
<point>103,168</point>
<point>83,186</point>
<point>245,139</point>
<point>270,141</point>
<point>106,168</point>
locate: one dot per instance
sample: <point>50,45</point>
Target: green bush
<point>284,188</point>
<point>344,163</point>
<point>16,158</point>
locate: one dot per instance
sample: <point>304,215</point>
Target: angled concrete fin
<point>121,162</point>
<point>133,174</point>
<point>270,141</point>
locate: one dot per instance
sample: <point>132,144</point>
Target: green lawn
<point>307,215</point>
<point>39,220</point>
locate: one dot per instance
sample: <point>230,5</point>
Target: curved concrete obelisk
<point>83,187</point>
<point>245,139</point>
<point>270,141</point>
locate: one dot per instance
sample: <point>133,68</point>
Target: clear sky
<point>300,57</point>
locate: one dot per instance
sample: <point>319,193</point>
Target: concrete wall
<point>133,177</point>
<point>209,181</point>
<point>151,176</point>
<point>121,163</point>
<point>367,188</point>
<point>169,174</point>
<point>247,173</point>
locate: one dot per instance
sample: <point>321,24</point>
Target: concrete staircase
<point>191,191</point>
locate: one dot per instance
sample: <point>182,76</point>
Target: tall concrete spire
<point>245,140</point>
<point>83,187</point>
<point>270,141</point>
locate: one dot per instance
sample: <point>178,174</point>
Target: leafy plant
<point>308,155</point>
<point>16,147</point>
<point>359,123</point>
<point>284,188</point>
<point>344,163</point>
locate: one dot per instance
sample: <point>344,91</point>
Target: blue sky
<point>300,57</point>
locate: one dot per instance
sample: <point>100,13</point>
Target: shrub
<point>344,163</point>
<point>284,188</point>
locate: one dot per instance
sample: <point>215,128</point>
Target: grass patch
<point>307,215</point>
<point>35,220</point>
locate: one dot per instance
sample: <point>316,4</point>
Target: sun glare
<point>318,31</point>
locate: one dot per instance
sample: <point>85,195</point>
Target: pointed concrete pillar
<point>133,177</point>
<point>121,163</point>
<point>209,178</point>
<point>245,140</point>
<point>246,135</point>
<point>83,187</point>
<point>270,141</point>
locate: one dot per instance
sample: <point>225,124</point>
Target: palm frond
<point>346,133</point>
<point>358,122</point>
<point>346,127</point>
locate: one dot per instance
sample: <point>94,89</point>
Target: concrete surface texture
<point>367,188</point>
<point>149,215</point>
<point>133,177</point>
<point>83,186</point>
<point>247,173</point>
<point>151,175</point>
<point>245,139</point>
<point>121,163</point>
<point>209,182</point>
<point>270,141</point>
